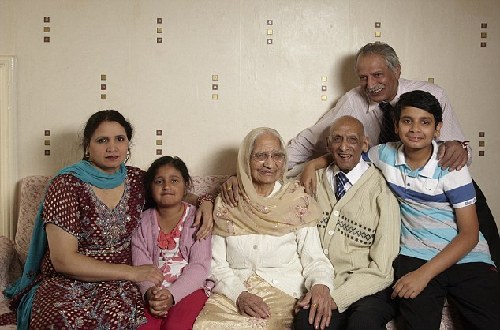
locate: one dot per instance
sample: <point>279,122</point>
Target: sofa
<point>31,190</point>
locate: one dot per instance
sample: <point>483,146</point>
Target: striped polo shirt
<point>427,197</point>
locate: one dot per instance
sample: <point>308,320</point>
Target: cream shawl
<point>286,211</point>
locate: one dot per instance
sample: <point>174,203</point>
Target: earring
<point>128,156</point>
<point>86,155</point>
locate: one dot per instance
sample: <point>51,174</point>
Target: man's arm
<point>455,156</point>
<point>451,130</point>
<point>308,143</point>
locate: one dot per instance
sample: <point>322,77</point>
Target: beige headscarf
<point>284,212</point>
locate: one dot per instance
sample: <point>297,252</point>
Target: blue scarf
<point>86,172</point>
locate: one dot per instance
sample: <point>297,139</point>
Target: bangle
<point>464,144</point>
<point>205,198</point>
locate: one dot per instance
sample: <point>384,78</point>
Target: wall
<point>168,86</point>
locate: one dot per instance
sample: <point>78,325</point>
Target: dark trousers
<point>473,289</point>
<point>370,312</point>
<point>487,225</point>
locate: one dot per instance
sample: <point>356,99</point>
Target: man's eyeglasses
<point>337,139</point>
<point>277,157</point>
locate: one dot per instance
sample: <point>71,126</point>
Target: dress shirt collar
<point>353,175</point>
<point>429,168</point>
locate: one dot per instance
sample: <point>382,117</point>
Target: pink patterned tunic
<point>171,262</point>
<point>102,233</point>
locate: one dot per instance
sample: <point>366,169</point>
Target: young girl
<point>165,238</point>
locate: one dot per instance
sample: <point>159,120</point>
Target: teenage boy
<point>442,252</point>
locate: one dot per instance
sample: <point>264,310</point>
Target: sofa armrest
<point>12,266</point>
<point>31,192</point>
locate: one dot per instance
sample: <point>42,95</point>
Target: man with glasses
<point>359,232</point>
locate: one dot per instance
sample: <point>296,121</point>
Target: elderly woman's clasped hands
<point>318,301</point>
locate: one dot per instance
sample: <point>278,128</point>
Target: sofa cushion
<point>207,184</point>
<point>31,192</point>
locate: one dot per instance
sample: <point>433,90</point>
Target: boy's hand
<point>410,285</point>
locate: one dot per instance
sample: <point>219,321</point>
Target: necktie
<point>387,133</point>
<point>340,182</point>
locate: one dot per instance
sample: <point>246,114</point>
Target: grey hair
<point>249,142</point>
<point>382,49</point>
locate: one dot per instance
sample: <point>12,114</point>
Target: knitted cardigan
<point>360,234</point>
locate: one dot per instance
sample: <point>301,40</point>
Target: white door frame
<point>8,148</point>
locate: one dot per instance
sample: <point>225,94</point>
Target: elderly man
<point>359,232</point>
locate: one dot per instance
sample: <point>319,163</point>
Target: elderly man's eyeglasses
<point>337,139</point>
<point>277,157</point>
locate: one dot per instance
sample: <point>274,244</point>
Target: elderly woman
<point>266,251</point>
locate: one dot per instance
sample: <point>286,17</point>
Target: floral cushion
<point>31,192</point>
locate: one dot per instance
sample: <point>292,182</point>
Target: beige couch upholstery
<point>31,190</point>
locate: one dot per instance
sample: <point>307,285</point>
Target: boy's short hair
<point>422,100</point>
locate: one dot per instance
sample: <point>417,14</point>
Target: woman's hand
<point>149,273</point>
<point>159,301</point>
<point>308,178</point>
<point>229,191</point>
<point>252,305</point>
<point>204,215</point>
<point>320,305</point>
<point>308,175</point>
